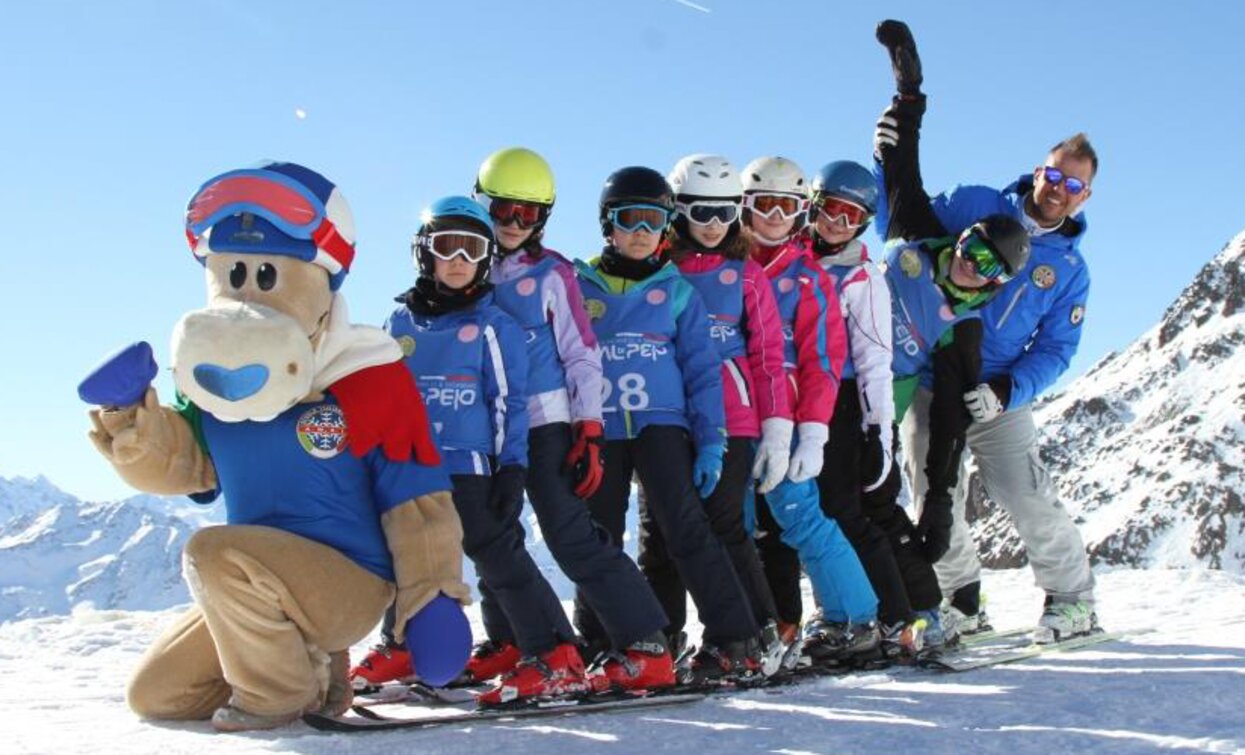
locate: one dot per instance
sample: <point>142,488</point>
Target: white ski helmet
<point>705,177</point>
<point>774,175</point>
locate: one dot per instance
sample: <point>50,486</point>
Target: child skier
<point>662,384</point>
<point>712,255</point>
<point>858,456</point>
<point>537,287</point>
<point>795,530</point>
<point>468,358</point>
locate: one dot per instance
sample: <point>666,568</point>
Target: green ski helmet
<point>516,173</point>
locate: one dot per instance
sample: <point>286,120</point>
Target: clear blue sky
<point>115,112</point>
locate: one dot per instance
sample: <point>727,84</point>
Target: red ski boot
<point>558,673</point>
<point>490,659</point>
<point>642,666</point>
<point>386,663</point>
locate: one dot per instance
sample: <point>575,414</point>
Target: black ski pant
<point>494,543</point>
<point>725,509</point>
<point>606,577</point>
<point>662,458</point>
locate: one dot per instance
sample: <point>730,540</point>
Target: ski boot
<point>558,673</point>
<point>385,663</point>
<point>773,649</point>
<point>1062,619</point>
<point>490,659</point>
<point>903,641</point>
<point>644,665</point>
<point>838,643</point>
<point>734,663</point>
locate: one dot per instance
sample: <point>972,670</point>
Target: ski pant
<point>795,532</point>
<point>605,576</point>
<point>273,610</point>
<point>493,540</point>
<point>873,522</point>
<point>725,509</point>
<point>1014,477</point>
<point>662,457</point>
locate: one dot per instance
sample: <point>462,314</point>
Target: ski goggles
<point>275,197</point>
<point>630,218</point>
<point>446,245</point>
<point>766,205</point>
<point>1055,176</point>
<point>705,212</point>
<point>980,254</point>
<point>524,214</point>
<point>841,211</point>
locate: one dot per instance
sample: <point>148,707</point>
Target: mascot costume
<point>315,434</point>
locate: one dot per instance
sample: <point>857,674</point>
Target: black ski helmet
<point>633,184</point>
<point>1007,237</point>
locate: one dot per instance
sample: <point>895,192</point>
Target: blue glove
<point>122,379</point>
<point>708,469</point>
<point>439,641</point>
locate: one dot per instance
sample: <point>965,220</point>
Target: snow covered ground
<point>1181,687</point>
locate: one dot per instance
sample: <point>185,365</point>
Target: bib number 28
<point>631,394</point>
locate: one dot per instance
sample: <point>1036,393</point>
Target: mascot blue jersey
<point>921,313</point>
<point>471,367</point>
<point>722,290</point>
<point>660,365</point>
<point>295,473</point>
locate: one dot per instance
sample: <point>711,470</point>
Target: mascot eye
<point>266,277</point>
<point>237,275</point>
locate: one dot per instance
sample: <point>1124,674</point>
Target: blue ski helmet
<point>453,213</point>
<point>849,181</point>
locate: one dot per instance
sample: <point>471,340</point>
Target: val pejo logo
<point>595,308</point>
<point>728,277</point>
<point>526,287</point>
<point>321,431</point>
<point>910,262</point>
<point>469,332</point>
<point>407,344</point>
<point>1043,276</point>
<point>655,297</point>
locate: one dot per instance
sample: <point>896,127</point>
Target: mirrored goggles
<point>1056,176</point>
<point>446,245</point>
<point>630,218</point>
<point>277,198</point>
<point>766,205</point>
<point>841,212</point>
<point>524,214</point>
<point>706,212</point>
<point>978,252</point>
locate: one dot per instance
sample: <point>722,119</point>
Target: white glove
<point>773,453</point>
<point>886,135</point>
<point>983,403</point>
<point>807,458</point>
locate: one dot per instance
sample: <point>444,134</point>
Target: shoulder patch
<point>407,344</point>
<point>1043,276</point>
<point>1077,314</point>
<point>595,308</point>
<point>910,262</point>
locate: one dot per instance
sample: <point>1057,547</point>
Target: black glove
<point>505,496</point>
<point>934,529</point>
<point>906,64</point>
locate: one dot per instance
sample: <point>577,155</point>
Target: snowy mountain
<point>1146,448</point>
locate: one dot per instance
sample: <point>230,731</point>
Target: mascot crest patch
<point>322,431</point>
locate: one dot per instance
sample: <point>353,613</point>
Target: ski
<point>418,693</point>
<point>992,635</point>
<point>367,719</point>
<point>975,658</point>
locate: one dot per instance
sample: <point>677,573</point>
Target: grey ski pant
<point>1015,478</point>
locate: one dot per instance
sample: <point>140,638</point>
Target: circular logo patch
<point>655,297</point>
<point>785,285</point>
<point>407,345</point>
<point>526,287</point>
<point>1043,276</point>
<point>910,262</point>
<point>469,332</point>
<point>945,313</point>
<point>1078,314</point>
<point>595,308</point>
<point>728,277</point>
<point>321,431</point>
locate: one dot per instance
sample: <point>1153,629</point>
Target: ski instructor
<point>1032,329</point>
